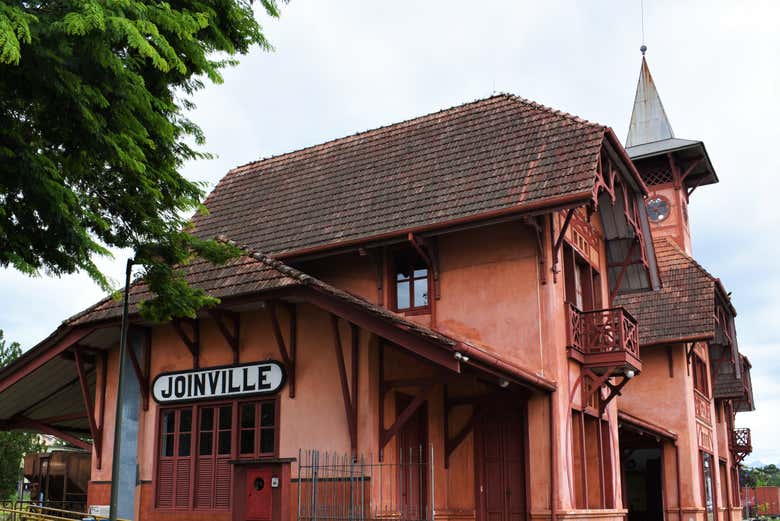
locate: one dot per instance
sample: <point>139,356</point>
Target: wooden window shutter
<point>204,485</point>
<point>182,498</point>
<point>165,484</point>
<point>223,479</point>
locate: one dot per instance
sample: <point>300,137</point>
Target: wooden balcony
<point>740,444</point>
<point>603,340</point>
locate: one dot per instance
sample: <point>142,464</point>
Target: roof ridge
<point>557,112</point>
<point>415,119</point>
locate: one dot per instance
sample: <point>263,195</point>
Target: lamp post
<point>120,396</point>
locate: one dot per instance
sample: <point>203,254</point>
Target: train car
<point>762,501</point>
<point>59,478</point>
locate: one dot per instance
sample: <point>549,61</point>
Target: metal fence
<point>339,487</point>
<point>42,510</point>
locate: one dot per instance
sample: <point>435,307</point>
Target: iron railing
<point>339,487</point>
<point>602,331</point>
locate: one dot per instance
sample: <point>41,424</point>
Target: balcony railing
<point>604,337</point>
<point>740,440</point>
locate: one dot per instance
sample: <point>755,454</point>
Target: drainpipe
<point>120,397</point>
<point>553,460</point>
<point>679,480</point>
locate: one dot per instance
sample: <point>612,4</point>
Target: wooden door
<point>412,474</point>
<point>500,466</point>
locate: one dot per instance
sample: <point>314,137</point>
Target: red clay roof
<point>684,308</point>
<point>242,276</point>
<point>490,155</point>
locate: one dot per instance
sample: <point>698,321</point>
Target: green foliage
<point>93,132</point>
<point>766,476</point>
<point>13,445</point>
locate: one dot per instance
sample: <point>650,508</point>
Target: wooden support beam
<point>229,324</point>
<point>288,353</point>
<point>191,340</point>
<point>22,422</point>
<point>453,442</point>
<point>386,435</point>
<point>97,435</point>
<point>349,398</point>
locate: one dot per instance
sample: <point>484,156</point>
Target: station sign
<point>235,381</point>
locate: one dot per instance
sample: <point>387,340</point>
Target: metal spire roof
<point>648,119</point>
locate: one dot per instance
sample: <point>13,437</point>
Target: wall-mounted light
<point>629,373</point>
<point>461,357</point>
<point>503,383</point>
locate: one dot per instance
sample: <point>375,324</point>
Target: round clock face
<point>657,208</point>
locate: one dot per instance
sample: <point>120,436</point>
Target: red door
<point>259,506</point>
<point>500,467</point>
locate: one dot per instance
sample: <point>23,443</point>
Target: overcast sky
<point>346,66</point>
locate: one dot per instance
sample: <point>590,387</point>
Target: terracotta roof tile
<point>685,305</point>
<point>239,277</point>
<point>492,154</point>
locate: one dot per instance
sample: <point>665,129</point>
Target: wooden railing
<point>602,331</point>
<point>741,441</point>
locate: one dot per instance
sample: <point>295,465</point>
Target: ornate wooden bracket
<point>95,430</point>
<point>349,396</point>
<point>558,242</point>
<point>288,355</point>
<point>427,251</point>
<point>143,374</point>
<point>229,324</point>
<point>597,382</point>
<point>191,339</point>
<point>537,224</point>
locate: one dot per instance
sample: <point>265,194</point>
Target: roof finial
<point>643,49</point>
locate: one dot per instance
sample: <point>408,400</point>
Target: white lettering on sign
<point>219,382</point>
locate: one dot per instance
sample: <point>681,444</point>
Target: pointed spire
<point>648,120</point>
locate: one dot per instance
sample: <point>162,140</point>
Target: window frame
<point>713,485</point>
<point>408,255</point>
<point>194,456</point>
<point>700,376</point>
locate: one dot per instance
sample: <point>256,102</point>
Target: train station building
<point>488,313</point>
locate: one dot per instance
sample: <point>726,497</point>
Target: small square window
<point>412,282</point>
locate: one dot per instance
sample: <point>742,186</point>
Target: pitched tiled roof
<point>684,308</point>
<point>488,156</point>
<point>242,276</point>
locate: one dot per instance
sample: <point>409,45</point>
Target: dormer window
<point>412,283</point>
